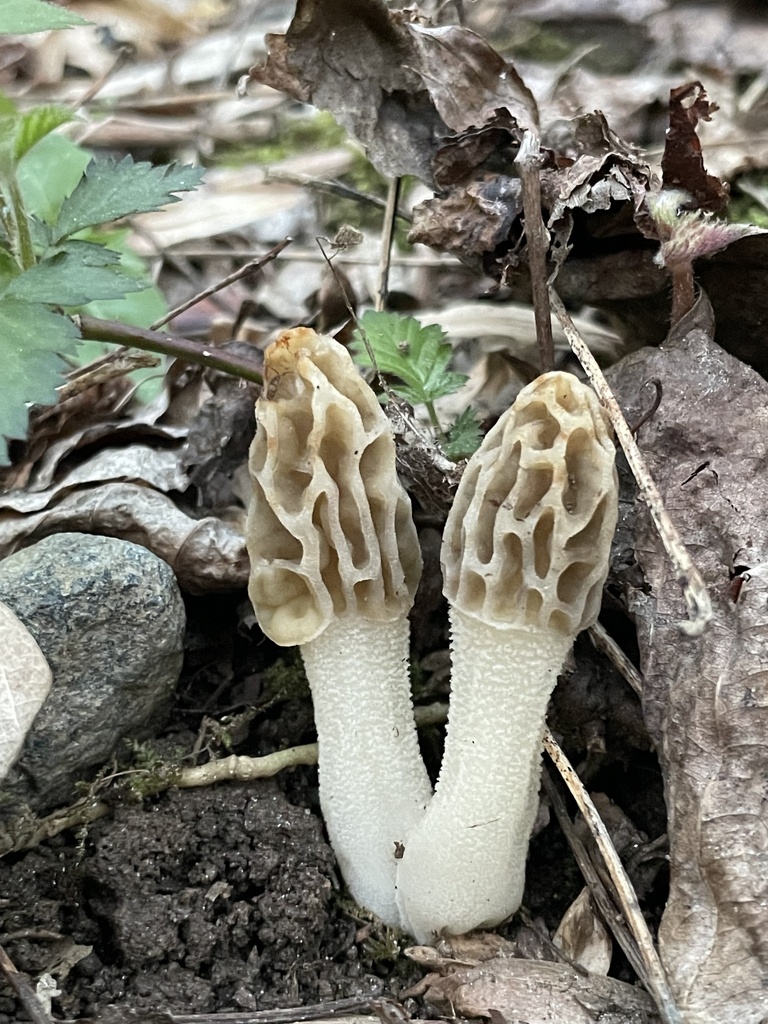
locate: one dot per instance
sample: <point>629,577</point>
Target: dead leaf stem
<point>537,237</point>
<point>252,267</point>
<point>652,971</point>
<point>604,642</point>
<point>694,590</point>
<point>94,329</point>
<point>388,234</point>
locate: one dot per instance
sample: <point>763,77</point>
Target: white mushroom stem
<point>335,562</point>
<point>373,784</point>
<point>525,555</point>
<point>464,862</point>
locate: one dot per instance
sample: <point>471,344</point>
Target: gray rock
<point>109,617</point>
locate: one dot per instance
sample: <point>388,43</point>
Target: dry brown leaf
<point>706,699</point>
<point>399,87</point>
<point>25,680</point>
<point>154,467</point>
<point>206,554</point>
<point>587,168</point>
<point>538,992</point>
<point>682,164</point>
<point>583,937</point>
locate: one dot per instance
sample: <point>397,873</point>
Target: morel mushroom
<point>525,556</point>
<point>335,562</point>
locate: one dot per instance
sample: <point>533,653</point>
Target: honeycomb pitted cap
<point>528,539</point>
<point>329,529</point>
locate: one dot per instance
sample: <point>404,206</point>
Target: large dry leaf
<point>476,216</point>
<point>25,680</point>
<point>205,554</point>
<point>706,699</point>
<point>397,86</point>
<point>154,467</point>
<point>538,992</point>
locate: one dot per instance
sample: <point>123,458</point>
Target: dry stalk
<point>652,972</point>
<point>388,235</point>
<point>693,587</point>
<point>604,642</point>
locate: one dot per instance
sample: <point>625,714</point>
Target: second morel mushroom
<point>335,563</point>
<point>525,556</point>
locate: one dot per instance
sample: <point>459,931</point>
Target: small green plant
<point>417,357</point>
<point>53,261</point>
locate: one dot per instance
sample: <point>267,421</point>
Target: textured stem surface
<point>373,783</point>
<point>464,862</point>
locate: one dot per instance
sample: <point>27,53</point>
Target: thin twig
<point>537,238</point>
<point>653,974</point>
<point>252,267</point>
<point>334,188</point>
<point>694,590</point>
<point>390,215</point>
<point>93,329</point>
<point>305,256</point>
<point>24,990</point>
<point>606,907</point>
<point>609,912</point>
<point>123,54</point>
<point>651,410</point>
<point>604,642</point>
<point>286,1015</point>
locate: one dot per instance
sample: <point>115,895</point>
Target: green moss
<point>291,135</point>
<point>284,680</point>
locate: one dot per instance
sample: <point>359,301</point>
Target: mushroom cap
<point>329,529</point>
<point>528,539</point>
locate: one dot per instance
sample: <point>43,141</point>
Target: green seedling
<point>417,358</point>
<point>52,260</point>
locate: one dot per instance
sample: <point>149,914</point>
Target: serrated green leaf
<point>22,16</point>
<point>35,125</point>
<point>32,341</point>
<point>464,437</point>
<point>403,348</point>
<point>111,189</point>
<point>76,273</point>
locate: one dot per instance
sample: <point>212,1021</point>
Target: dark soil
<point>227,898</point>
<point>203,899</point>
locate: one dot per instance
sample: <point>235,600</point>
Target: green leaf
<point>111,189</point>
<point>464,437</point>
<point>32,340</point>
<point>8,126</point>
<point>9,268</point>
<point>139,309</point>
<point>76,273</point>
<point>48,173</point>
<point>417,355</point>
<point>21,16</point>
<point>36,124</point>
